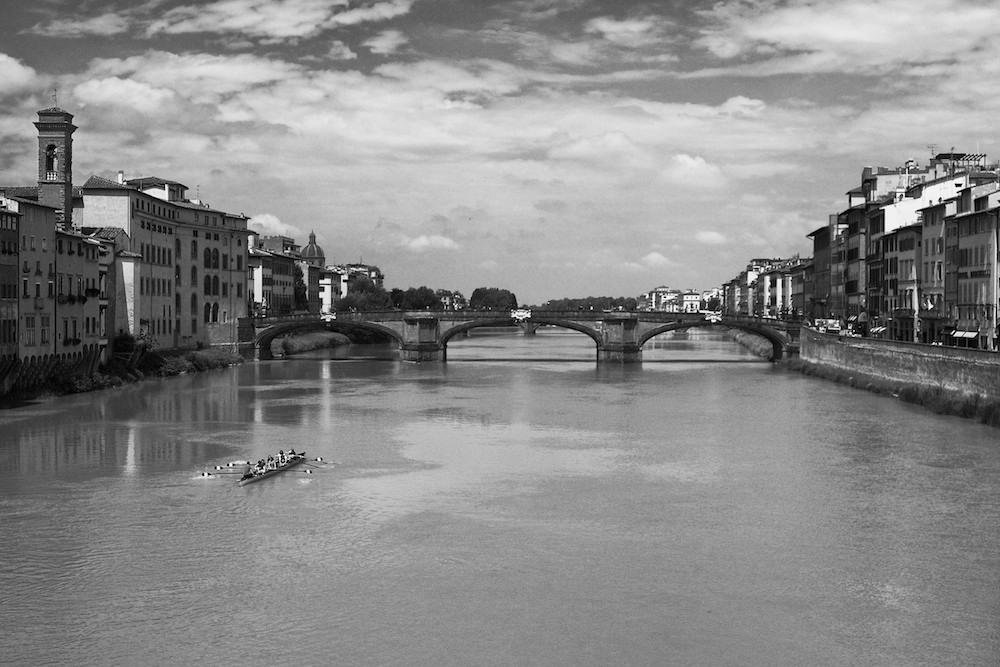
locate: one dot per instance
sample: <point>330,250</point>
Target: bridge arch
<point>263,338</point>
<point>451,332</point>
<point>778,342</point>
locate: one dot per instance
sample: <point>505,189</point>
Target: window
<point>194,248</point>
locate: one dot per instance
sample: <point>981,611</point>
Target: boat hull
<point>298,459</point>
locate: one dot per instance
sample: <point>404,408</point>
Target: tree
<point>420,298</point>
<point>492,298</point>
<point>364,295</point>
<point>300,292</point>
<point>595,302</point>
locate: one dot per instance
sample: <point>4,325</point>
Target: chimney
<point>121,177</point>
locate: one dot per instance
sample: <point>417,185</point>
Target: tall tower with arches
<point>55,160</point>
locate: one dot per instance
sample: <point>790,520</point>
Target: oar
<point>217,474</point>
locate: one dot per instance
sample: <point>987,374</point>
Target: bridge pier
<point>619,354</point>
<point>619,339</point>
<point>422,352</point>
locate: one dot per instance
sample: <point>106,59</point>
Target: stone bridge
<point>423,335</point>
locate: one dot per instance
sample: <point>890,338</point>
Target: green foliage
<point>595,302</point>
<point>492,298</point>
<point>313,340</point>
<point>419,298</point>
<point>300,294</point>
<point>364,296</point>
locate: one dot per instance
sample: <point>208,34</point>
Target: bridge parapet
<point>423,335</point>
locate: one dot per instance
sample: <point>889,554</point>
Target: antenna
<point>55,96</point>
<point>933,149</point>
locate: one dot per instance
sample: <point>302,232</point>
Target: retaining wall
<point>963,371</point>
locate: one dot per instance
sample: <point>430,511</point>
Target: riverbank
<point>944,380</point>
<point>148,365</point>
<point>312,340</point>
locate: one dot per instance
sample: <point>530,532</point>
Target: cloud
<point>267,224</point>
<point>340,51</point>
<point>693,172</point>
<point>273,20</point>
<point>380,11</point>
<point>630,33</point>
<point>854,36</point>
<point>655,259</point>
<point>15,76</point>
<point>105,25</point>
<point>432,242</point>
<point>710,238</point>
<point>137,95</point>
<point>386,42</point>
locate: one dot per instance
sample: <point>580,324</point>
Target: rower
<point>291,453</point>
<point>281,457</point>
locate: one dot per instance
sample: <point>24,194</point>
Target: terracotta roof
<point>99,183</point>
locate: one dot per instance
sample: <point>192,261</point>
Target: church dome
<point>312,253</point>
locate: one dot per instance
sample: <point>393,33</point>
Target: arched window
<point>215,285</point>
<point>215,312</point>
<point>208,313</point>
<point>215,258</point>
<point>194,276</point>
<point>194,250</point>
<point>51,159</point>
<point>177,247</point>
<point>194,304</point>
<point>208,286</point>
<point>208,258</point>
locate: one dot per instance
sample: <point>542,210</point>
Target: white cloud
<point>100,26</point>
<point>857,36</point>
<point>340,51</point>
<point>430,242</point>
<point>386,42</point>
<point>137,95</point>
<point>267,224</point>
<point>15,76</point>
<point>693,172</point>
<point>710,238</point>
<point>632,33</point>
<point>655,259</point>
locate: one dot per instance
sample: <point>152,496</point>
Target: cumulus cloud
<point>15,76</point>
<point>267,224</point>
<point>386,42</point>
<point>137,95</point>
<point>693,172</point>
<point>340,51</point>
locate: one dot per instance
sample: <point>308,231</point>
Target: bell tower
<point>55,160</point>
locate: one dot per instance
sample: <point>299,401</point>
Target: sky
<point>554,148</point>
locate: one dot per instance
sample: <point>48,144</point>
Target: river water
<point>519,505</point>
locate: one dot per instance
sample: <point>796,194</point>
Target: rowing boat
<point>250,478</point>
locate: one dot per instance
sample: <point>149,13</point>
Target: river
<point>519,505</point>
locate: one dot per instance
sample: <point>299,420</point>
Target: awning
<point>875,330</point>
<point>964,334</point>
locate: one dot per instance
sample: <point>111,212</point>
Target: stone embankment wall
<point>962,371</point>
